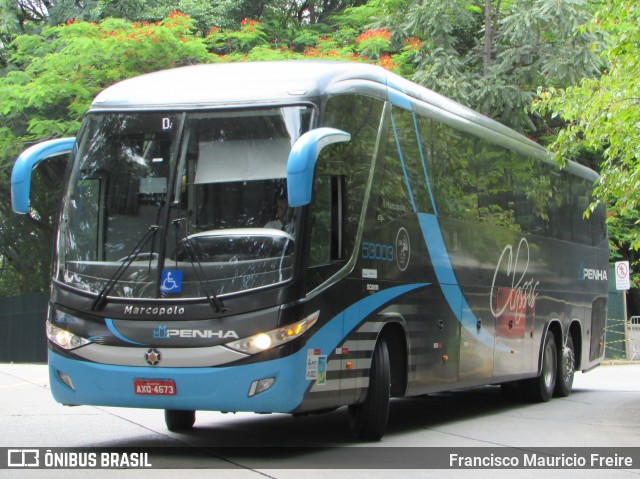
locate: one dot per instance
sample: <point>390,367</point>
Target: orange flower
<point>177,14</point>
<point>378,33</point>
<point>387,63</point>
<point>249,22</point>
<point>413,42</point>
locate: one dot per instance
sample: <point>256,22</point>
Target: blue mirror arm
<point>21,174</point>
<point>302,162</point>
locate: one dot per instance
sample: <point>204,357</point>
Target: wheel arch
<point>395,334</point>
<point>575,330</point>
<point>555,327</point>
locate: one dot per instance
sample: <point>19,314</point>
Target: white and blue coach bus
<point>300,236</point>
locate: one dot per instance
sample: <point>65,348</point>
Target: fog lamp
<point>261,385</point>
<point>66,380</point>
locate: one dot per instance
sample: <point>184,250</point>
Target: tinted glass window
<point>341,182</point>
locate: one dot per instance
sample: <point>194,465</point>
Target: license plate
<point>154,387</point>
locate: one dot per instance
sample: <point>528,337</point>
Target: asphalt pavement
<point>603,411</point>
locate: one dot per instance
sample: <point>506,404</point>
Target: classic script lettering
<point>522,292</point>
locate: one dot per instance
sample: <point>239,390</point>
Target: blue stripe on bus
<point>219,388</point>
<point>449,283</point>
<point>399,99</point>
<point>112,327</point>
<point>355,314</point>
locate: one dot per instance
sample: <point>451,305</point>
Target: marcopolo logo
<point>131,310</point>
<point>162,332</point>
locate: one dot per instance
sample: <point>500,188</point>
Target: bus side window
<point>598,225</point>
<point>341,180</point>
<point>327,220</point>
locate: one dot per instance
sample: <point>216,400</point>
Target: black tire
<point>540,389</point>
<point>511,390</point>
<point>566,370</point>
<point>368,420</point>
<point>177,420</point>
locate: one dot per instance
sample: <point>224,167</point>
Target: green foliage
<point>601,114</point>
<point>495,68</point>
<point>52,66</point>
<point>64,67</point>
<point>52,75</point>
<point>52,80</point>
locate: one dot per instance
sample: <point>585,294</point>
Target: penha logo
<point>162,332</point>
<point>591,274</point>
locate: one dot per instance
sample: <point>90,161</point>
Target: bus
<point>297,237</point>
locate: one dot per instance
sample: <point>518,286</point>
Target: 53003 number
<point>378,251</point>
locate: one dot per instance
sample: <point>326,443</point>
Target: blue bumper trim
<point>215,389</point>
<point>218,389</point>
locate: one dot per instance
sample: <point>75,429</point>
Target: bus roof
<point>230,85</point>
<point>233,84</point>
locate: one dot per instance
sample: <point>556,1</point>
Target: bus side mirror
<point>21,174</point>
<point>302,162</point>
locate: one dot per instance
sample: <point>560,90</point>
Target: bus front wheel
<point>368,420</point>
<point>540,389</point>
<point>177,420</point>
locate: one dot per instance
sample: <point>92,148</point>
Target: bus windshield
<point>180,203</point>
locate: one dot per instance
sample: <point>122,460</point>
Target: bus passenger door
<point>477,337</point>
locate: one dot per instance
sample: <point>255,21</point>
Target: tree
<point>53,77</point>
<point>493,55</point>
<point>489,55</point>
<point>49,82</point>
<point>601,115</point>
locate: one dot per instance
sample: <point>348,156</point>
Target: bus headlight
<point>276,337</point>
<point>63,338</point>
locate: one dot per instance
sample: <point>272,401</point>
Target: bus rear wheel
<point>368,420</point>
<point>178,420</point>
<point>540,388</point>
<point>566,370</point>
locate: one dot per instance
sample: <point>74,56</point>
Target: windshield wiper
<point>214,301</point>
<point>101,300</point>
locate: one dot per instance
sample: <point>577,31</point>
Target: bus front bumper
<point>227,389</point>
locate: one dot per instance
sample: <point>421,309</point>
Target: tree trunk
<point>488,38</point>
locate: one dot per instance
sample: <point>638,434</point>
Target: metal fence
<point>633,335</point>
<point>22,322</point>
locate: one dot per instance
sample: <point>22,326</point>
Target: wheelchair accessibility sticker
<point>171,281</point>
